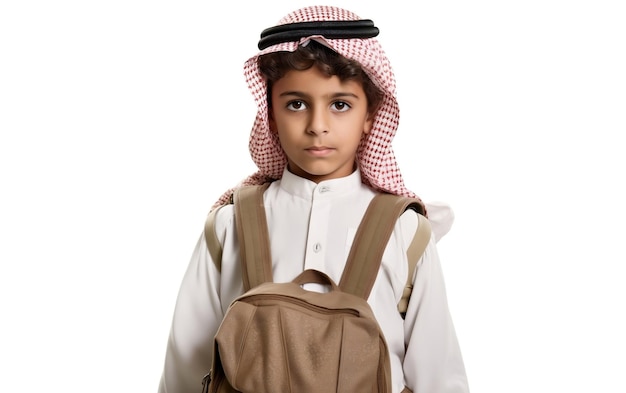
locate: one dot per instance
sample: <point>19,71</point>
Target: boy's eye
<point>341,106</point>
<point>296,106</point>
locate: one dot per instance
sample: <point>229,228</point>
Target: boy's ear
<point>369,121</point>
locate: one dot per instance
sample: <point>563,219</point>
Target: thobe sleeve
<point>433,361</point>
<point>197,316</point>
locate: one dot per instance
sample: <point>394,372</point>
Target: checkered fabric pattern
<point>375,155</point>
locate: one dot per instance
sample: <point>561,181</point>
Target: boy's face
<point>320,121</point>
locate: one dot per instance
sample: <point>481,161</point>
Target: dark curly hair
<point>274,66</point>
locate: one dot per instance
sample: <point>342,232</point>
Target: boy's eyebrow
<point>304,95</point>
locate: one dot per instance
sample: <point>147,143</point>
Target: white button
<point>324,189</point>
<point>317,247</point>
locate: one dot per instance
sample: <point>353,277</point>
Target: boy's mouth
<point>319,150</point>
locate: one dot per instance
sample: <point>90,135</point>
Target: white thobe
<point>312,226</point>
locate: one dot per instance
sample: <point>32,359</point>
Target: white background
<point>123,121</point>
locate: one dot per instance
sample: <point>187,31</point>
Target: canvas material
<point>282,338</point>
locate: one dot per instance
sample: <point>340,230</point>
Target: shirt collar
<point>308,189</point>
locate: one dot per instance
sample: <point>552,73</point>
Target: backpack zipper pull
<point>205,382</point>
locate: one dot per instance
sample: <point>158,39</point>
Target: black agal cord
<point>329,29</point>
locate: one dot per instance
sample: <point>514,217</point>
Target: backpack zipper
<point>304,304</point>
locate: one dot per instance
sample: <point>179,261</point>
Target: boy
<point>326,116</point>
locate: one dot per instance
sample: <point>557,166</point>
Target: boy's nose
<point>318,123</point>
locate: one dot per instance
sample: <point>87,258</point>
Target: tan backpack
<point>279,337</point>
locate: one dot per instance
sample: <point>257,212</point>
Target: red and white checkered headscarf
<point>375,157</point>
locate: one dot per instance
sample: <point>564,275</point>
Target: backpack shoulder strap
<point>253,236</point>
<point>210,236</point>
<point>263,273</point>
<point>371,240</point>
<point>212,242</point>
<point>414,254</point>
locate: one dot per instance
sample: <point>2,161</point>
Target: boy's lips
<point>319,150</point>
